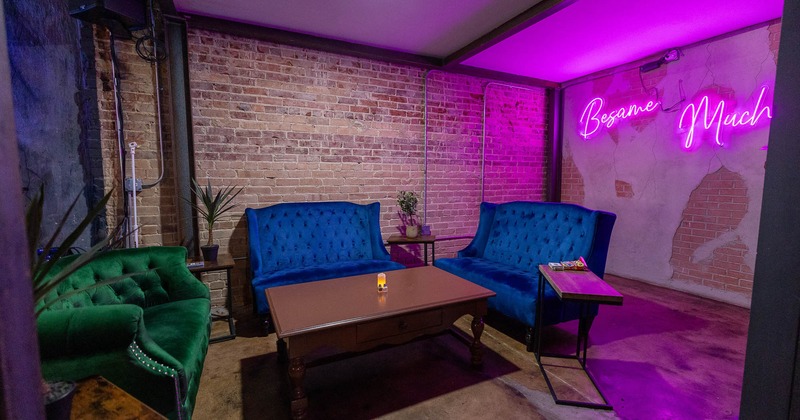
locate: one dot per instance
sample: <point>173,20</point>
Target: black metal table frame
<point>580,350</point>
<point>416,241</point>
<point>228,303</point>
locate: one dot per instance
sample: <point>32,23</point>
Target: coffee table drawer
<point>404,324</point>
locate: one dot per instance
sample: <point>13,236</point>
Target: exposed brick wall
<point>572,187</point>
<point>290,124</point>
<point>713,213</point>
<point>774,39</point>
<point>156,207</point>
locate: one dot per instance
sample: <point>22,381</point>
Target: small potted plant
<point>407,200</point>
<point>212,207</point>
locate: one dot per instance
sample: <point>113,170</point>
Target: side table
<point>97,398</point>
<point>585,288</point>
<point>223,262</point>
<point>427,239</point>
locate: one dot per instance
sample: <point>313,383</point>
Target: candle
<point>382,282</point>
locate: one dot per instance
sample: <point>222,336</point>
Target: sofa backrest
<point>525,234</point>
<point>149,286</point>
<point>295,235</point>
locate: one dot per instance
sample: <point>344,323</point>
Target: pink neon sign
<point>592,119</point>
<point>691,118</point>
<point>696,117</point>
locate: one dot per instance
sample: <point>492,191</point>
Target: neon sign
<point>591,123</point>
<point>718,118</point>
<point>696,117</point>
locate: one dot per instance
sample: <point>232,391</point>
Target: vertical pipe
<point>157,82</point>
<point>181,124</point>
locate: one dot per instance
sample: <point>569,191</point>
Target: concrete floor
<point>662,355</point>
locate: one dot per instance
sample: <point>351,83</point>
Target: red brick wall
<point>290,124</point>
<point>714,210</point>
<point>157,206</point>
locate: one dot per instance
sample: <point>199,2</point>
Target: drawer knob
<point>403,325</point>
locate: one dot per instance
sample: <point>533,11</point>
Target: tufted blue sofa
<point>301,242</point>
<point>514,238</point>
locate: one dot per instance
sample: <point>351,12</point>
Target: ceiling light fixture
<point>670,56</point>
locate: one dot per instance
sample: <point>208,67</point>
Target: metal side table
<point>585,288</point>
<point>223,262</point>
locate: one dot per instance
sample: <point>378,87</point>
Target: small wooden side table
<point>427,239</point>
<point>223,262</point>
<point>585,288</point>
<point>97,398</point>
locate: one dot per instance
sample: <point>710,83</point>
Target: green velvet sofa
<point>148,333</point>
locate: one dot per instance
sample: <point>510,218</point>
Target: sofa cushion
<point>316,272</point>
<point>516,289</point>
<point>296,235</point>
<point>525,234</point>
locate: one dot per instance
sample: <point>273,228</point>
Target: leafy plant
<point>407,200</point>
<point>42,265</point>
<point>212,206</point>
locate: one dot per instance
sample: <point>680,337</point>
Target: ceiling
<point>545,41</point>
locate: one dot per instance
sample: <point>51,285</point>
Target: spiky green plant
<point>41,265</point>
<point>212,206</point>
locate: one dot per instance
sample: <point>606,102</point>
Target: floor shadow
<point>369,385</point>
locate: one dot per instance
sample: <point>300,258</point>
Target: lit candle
<point>381,282</point>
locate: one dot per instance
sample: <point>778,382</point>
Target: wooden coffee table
<point>350,315</point>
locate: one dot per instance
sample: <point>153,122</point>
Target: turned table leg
<point>299,404</point>
<point>476,348</point>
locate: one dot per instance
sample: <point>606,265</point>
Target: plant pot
<point>209,252</point>
<point>58,400</point>
<point>412,231</point>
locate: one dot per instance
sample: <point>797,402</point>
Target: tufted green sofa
<point>148,333</point>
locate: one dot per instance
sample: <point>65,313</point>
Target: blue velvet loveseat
<point>514,238</point>
<point>301,242</point>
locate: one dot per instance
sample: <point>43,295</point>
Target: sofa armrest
<point>181,284</point>
<point>602,238</point>
<point>379,251</point>
<point>94,329</point>
<point>476,247</point>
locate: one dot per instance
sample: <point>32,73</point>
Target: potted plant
<point>407,200</point>
<point>212,207</point>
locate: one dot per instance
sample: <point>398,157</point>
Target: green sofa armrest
<point>181,284</point>
<point>98,329</point>
<point>88,330</point>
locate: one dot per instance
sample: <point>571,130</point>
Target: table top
<point>581,285</point>
<point>318,305</point>
<point>223,262</point>
<point>421,239</point>
<point>97,398</point>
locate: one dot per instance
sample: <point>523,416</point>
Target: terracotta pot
<point>209,252</point>
<point>412,231</point>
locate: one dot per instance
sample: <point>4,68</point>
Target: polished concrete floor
<point>661,355</point>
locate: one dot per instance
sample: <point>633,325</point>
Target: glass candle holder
<point>382,282</point>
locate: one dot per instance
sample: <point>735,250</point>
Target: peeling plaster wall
<point>687,220</point>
